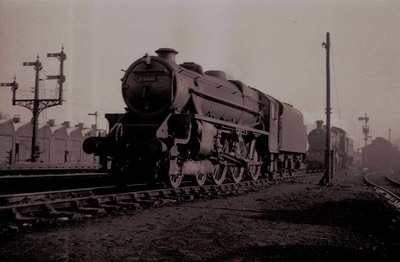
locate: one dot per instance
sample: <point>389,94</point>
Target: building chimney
<point>16,118</point>
<point>94,127</point>
<point>67,124</point>
<point>80,125</point>
<point>51,122</point>
<point>167,53</point>
<point>319,124</point>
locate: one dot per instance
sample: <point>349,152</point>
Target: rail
<point>69,204</point>
<point>393,198</point>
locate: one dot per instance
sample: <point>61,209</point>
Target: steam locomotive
<point>182,122</point>
<point>341,147</point>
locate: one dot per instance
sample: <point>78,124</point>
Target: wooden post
<point>325,178</point>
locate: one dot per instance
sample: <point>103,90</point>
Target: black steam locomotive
<point>183,122</point>
<point>342,149</point>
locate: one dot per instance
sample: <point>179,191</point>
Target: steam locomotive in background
<point>183,122</point>
<point>342,149</point>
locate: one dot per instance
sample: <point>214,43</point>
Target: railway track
<point>75,203</point>
<point>47,168</point>
<point>386,187</point>
<point>13,184</point>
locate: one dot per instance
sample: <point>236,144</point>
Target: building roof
<point>72,129</point>
<point>2,121</point>
<point>378,140</point>
<point>19,125</point>
<point>86,131</point>
<point>55,128</point>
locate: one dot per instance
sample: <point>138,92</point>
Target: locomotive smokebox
<point>167,54</point>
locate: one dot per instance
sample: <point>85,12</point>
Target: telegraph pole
<point>325,178</point>
<point>37,105</point>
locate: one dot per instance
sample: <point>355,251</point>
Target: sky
<point>272,45</point>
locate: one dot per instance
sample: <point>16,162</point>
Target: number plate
<point>147,78</point>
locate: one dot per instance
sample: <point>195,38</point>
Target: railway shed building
<point>75,138</point>
<point>23,142</point>
<point>380,155</point>
<point>23,138</point>
<point>59,150</point>
<point>55,143</point>
<point>7,139</point>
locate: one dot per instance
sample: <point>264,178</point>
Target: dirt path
<point>286,222</point>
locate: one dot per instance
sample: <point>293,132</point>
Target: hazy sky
<point>272,45</point>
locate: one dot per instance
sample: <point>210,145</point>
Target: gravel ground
<point>287,222</point>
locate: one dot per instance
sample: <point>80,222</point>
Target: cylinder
<point>155,147</point>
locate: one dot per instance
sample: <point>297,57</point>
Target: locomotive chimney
<point>167,53</point>
<point>319,124</point>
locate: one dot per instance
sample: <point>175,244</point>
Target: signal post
<point>37,105</point>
